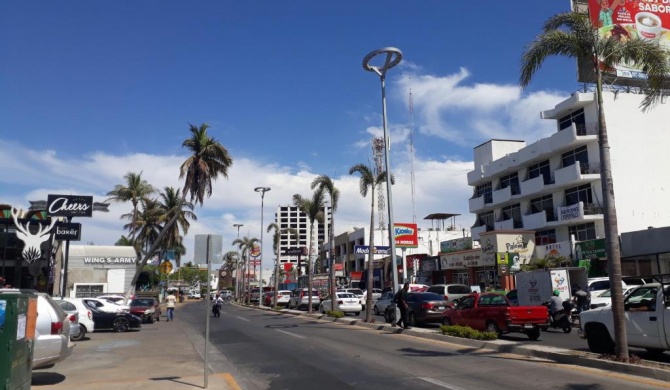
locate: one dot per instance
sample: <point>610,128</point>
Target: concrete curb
<point>558,355</point>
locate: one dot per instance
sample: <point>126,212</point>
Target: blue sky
<point>93,90</point>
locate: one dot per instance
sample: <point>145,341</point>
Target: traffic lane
<point>288,351</point>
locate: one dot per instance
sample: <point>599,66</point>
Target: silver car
<point>382,302</point>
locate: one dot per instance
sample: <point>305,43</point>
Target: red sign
<point>406,235</point>
<point>625,19</point>
<point>255,250</point>
<point>288,267</point>
<point>339,267</point>
<point>356,276</point>
<point>254,263</point>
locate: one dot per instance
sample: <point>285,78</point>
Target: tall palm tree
<point>245,244</point>
<point>126,241</point>
<point>573,35</point>
<point>146,222</point>
<point>369,182</point>
<point>171,203</point>
<point>326,184</point>
<point>207,161</point>
<point>134,191</point>
<point>231,259</point>
<point>313,208</point>
<point>275,245</point>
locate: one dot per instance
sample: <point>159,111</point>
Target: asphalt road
<point>283,351</point>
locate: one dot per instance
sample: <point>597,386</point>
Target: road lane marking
<point>440,383</point>
<point>290,334</point>
<point>243,319</point>
<point>231,381</point>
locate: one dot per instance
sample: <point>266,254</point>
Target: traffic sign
<point>166,267</point>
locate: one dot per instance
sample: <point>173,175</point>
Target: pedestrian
<point>401,301</point>
<point>170,301</point>
<point>582,299</point>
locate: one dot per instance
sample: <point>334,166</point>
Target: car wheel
<point>377,311</point>
<point>446,321</point>
<point>322,310</point>
<point>357,313</point>
<point>79,336</point>
<point>599,340</point>
<point>412,319</point>
<point>533,334</point>
<point>120,324</point>
<point>492,327</point>
<point>387,317</point>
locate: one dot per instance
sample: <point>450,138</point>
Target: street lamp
<point>393,58</point>
<point>262,190</point>
<point>238,282</point>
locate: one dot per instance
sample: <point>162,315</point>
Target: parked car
<point>85,317</point>
<point>450,292</point>
<point>194,294</point>
<point>52,330</point>
<point>383,301</point>
<point>105,305</point>
<point>424,307</point>
<point>357,292</point>
<point>116,298</point>
<point>345,302</point>
<point>147,308</point>
<point>376,294</point>
<point>605,297</point>
<point>492,312</point>
<point>118,322</point>
<point>596,286</point>
<point>300,299</point>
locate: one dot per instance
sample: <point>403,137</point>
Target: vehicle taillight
<point>73,318</point>
<point>340,302</point>
<point>90,315</point>
<point>56,328</point>
<point>446,298</point>
<point>428,306</point>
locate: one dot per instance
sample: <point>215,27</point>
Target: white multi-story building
<point>291,217</point>
<point>553,187</point>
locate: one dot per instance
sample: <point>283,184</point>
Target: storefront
<point>519,244</point>
<point>645,252</point>
<point>96,269</point>
<point>459,267</point>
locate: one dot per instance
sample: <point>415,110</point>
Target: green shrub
<point>335,313</point>
<point>467,332</point>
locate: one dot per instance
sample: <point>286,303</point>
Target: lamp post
<point>393,58</point>
<point>238,283</point>
<point>262,190</point>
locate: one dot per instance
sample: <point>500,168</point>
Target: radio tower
<point>378,145</point>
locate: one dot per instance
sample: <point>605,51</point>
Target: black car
<point>118,322</point>
<point>424,307</point>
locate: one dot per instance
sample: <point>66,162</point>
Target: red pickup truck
<point>492,312</point>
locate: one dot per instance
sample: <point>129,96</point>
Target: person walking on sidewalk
<point>170,301</point>
<point>401,301</point>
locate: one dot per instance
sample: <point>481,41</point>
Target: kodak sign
<point>406,235</point>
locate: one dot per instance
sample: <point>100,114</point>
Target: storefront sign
<point>296,251</point>
<point>458,244</point>
<point>356,276</point>
<point>112,260</point>
<point>376,250</point>
<point>406,235</point>
<point>428,265</point>
<point>69,206</point>
<point>592,249</point>
<point>571,212</point>
<point>32,242</point>
<point>67,231</point>
<point>555,250</point>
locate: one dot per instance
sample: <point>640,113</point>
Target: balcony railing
<point>593,209</point>
<point>587,128</point>
<point>589,168</point>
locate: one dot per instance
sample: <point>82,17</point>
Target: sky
<point>90,91</point>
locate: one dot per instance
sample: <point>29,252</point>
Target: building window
<point>575,195</point>
<point>485,219</point>
<point>513,212</point>
<point>485,190</point>
<point>579,155</point>
<point>545,203</point>
<point>544,237</point>
<point>511,180</point>
<point>576,117</point>
<point>583,232</point>
<point>540,169</point>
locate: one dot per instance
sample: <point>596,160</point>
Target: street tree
<point>171,203</point>
<point>326,184</point>
<point>134,191</point>
<point>313,208</point>
<point>275,245</point>
<point>245,244</point>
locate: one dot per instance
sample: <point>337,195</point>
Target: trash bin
<point>18,317</point>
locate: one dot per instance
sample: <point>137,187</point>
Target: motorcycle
<point>216,309</point>
<point>562,318</point>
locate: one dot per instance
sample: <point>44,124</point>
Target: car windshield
<point>356,291</point>
<point>142,302</point>
<point>345,295</point>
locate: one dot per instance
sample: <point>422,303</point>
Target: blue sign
<point>377,250</point>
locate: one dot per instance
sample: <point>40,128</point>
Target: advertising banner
<point>69,206</point>
<point>555,250</point>
<point>592,249</point>
<point>377,250</point>
<point>627,19</point>
<point>455,245</point>
<point>67,231</point>
<point>294,251</point>
<point>406,235</point>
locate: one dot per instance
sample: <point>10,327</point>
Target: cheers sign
<point>70,206</point>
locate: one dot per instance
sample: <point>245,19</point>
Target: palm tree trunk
<point>611,229</point>
<point>331,267</point>
<point>311,269</point>
<point>369,279</point>
<point>276,277</point>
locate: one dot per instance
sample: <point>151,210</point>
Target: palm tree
<point>146,222</point>
<point>275,245</point>
<point>326,184</point>
<point>135,190</point>
<point>207,161</point>
<point>230,261</point>
<point>245,244</point>
<point>171,203</point>
<point>313,208</point>
<point>368,182</point>
<point>573,35</point>
<point>126,241</point>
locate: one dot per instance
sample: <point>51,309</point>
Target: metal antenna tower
<point>378,145</point>
<point>411,154</point>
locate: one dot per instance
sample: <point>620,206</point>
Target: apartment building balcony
<point>536,185</point>
<point>475,175</point>
<point>508,224</point>
<point>505,194</point>
<point>538,220</point>
<point>475,231</point>
<point>577,173</point>
<point>494,168</point>
<point>579,212</point>
<point>539,149</point>
<point>479,202</point>
<point>575,135</point>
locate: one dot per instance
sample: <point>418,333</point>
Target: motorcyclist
<point>555,303</point>
<point>216,304</point>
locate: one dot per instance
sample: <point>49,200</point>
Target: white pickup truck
<point>647,315</point>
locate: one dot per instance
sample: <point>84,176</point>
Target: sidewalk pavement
<point>163,355</point>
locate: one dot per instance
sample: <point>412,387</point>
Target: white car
<point>597,286</point>
<point>118,299</point>
<point>345,302</point>
<point>85,316</point>
<point>376,294</point>
<point>357,292</point>
<point>105,305</point>
<point>605,298</point>
<point>283,297</point>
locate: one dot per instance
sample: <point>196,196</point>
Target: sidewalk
<point>159,356</point>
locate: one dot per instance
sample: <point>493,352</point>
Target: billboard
<point>627,19</point>
<point>405,235</point>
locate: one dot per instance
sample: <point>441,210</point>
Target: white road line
<point>243,319</point>
<point>290,334</point>
<point>440,383</point>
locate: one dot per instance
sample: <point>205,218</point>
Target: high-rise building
<point>291,217</point>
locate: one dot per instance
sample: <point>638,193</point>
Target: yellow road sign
<point>166,267</point>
